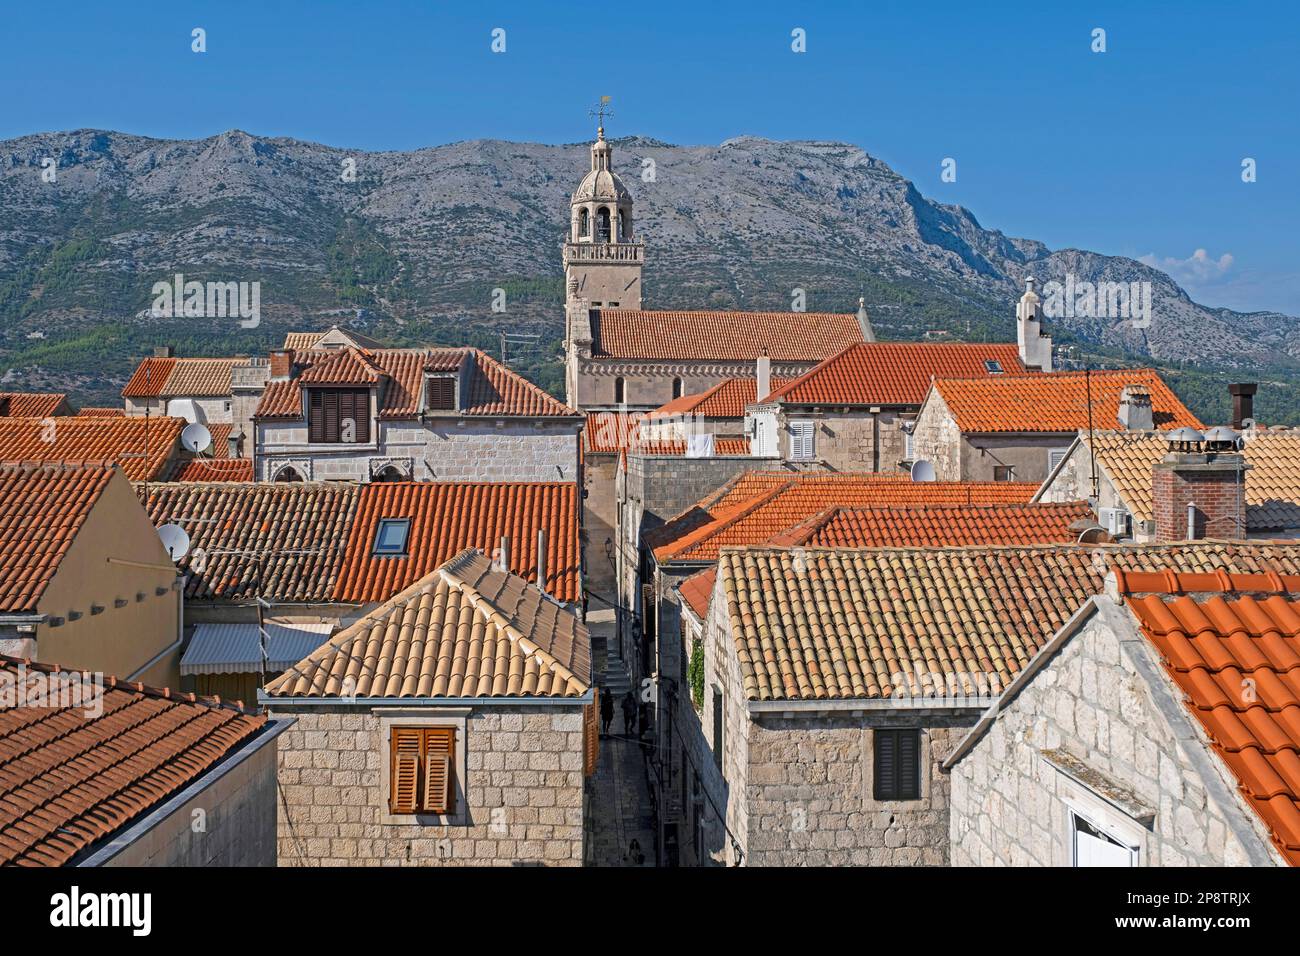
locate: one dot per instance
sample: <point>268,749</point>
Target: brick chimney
<point>1135,413</point>
<point>1243,402</point>
<point>1199,490</point>
<point>281,365</point>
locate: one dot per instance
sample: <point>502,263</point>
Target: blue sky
<point>1135,151</point>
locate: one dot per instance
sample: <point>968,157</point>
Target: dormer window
<point>338,415</point>
<point>440,393</point>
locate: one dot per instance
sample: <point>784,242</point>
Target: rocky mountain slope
<point>416,244</point>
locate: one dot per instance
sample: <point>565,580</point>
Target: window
<point>622,226</point>
<point>1094,847</point>
<point>390,537</point>
<point>803,443</point>
<point>338,415</point>
<point>993,366</point>
<point>677,388</point>
<point>422,770</point>
<point>227,404</point>
<point>620,392</point>
<point>898,765</point>
<point>288,473</point>
<point>441,393</point>
<point>718,726</point>
<point>602,224</point>
<point>909,446</point>
<point>584,224</point>
<point>1054,457</point>
<point>1003,473</point>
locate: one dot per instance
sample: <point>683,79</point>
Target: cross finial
<point>600,111</point>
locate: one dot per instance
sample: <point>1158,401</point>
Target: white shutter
<point>802,445</point>
<point>1054,457</point>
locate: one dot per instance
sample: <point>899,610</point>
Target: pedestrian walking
<point>629,713</point>
<point>606,713</point>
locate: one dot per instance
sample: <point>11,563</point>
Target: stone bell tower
<point>602,256</point>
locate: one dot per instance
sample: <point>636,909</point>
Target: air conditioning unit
<point>1117,521</point>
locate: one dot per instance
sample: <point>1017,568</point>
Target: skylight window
<point>390,537</point>
<point>993,366</point>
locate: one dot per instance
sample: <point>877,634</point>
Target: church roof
<point>722,336</point>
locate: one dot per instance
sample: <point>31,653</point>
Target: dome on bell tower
<point>601,205</point>
<point>602,184</point>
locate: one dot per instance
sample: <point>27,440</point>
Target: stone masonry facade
<point>1150,779</point>
<point>519,782</point>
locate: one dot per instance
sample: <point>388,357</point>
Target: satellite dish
<point>187,409</point>
<point>196,438</point>
<point>175,540</point>
<point>922,470</point>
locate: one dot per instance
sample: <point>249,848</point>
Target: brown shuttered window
<point>591,734</point>
<point>442,393</point>
<point>423,770</point>
<point>329,408</point>
<point>897,765</point>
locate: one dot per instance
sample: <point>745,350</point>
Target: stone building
<point>620,355</point>
<point>1259,484</point>
<point>1020,427</point>
<point>196,787</point>
<point>344,413</point>
<point>34,405</point>
<point>164,385</point>
<point>834,684</point>
<point>1152,730</point>
<point>467,744</point>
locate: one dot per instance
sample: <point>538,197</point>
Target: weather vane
<point>600,112</point>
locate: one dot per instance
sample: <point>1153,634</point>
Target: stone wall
<point>851,441</point>
<point>475,451</point>
<point>520,789</point>
<point>1011,804</point>
<point>1026,455</point>
<point>648,384</point>
<point>599,523</point>
<point>937,439</point>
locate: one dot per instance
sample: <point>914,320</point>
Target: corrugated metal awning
<point>234,649</point>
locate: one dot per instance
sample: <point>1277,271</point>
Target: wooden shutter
<point>406,746</point>
<point>591,734</point>
<point>439,753</point>
<point>909,766</point>
<point>886,764</point>
<point>897,765</point>
<point>442,393</point>
<point>315,416</point>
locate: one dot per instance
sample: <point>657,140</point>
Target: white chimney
<point>1035,347</point>
<point>541,560</point>
<point>764,377</point>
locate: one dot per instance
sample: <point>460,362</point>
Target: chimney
<point>864,323</point>
<point>162,351</point>
<point>503,555</point>
<point>1035,347</point>
<point>1199,488</point>
<point>764,377</point>
<point>281,365</point>
<point>1135,409</point>
<point>1243,403</point>
<point>541,560</point>
<point>235,444</point>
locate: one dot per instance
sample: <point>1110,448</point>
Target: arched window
<point>622,226</point>
<point>620,394</point>
<point>288,473</point>
<point>602,224</point>
<point>389,473</point>
<point>584,223</point>
<point>677,388</point>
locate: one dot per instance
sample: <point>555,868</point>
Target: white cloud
<point>1196,269</point>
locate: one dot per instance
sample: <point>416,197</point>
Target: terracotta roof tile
<point>772,511</point>
<point>34,404</point>
<point>99,412</point>
<point>727,399</point>
<point>176,377</point>
<point>939,525</point>
<point>345,366</point>
<point>300,529</point>
<point>42,507</point>
<point>722,336</point>
<point>609,433</point>
<point>78,438</point>
<point>70,778</point>
<point>697,590</point>
<point>814,623</point>
<point>894,373</point>
<point>300,341</point>
<point>1231,643</point>
<point>1055,401</point>
<point>465,630</point>
<point>149,378</point>
<point>1272,481</point>
<point>448,517</point>
<point>215,469</point>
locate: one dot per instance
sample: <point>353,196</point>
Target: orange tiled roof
<point>697,590</point>
<point>894,373</point>
<point>72,777</point>
<point>34,404</point>
<point>492,388</point>
<point>173,377</point>
<point>840,623</point>
<point>771,512</point>
<point>448,517</point>
<point>465,630</point>
<point>1055,401</point>
<point>610,433</point>
<point>301,341</point>
<point>943,525</point>
<point>300,528</point>
<point>215,469</point>
<point>42,507</point>
<point>1272,481</point>
<point>727,399</point>
<point>345,366</point>
<point>1219,634</point>
<point>722,336</point>
<point>78,438</point>
<point>99,412</point>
